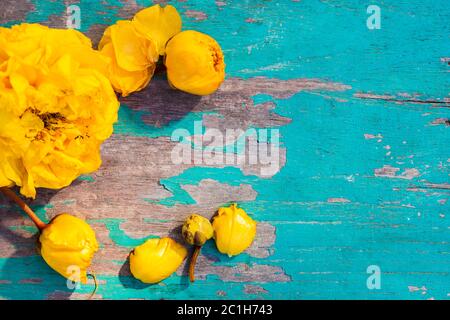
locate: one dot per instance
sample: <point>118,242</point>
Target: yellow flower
<point>56,107</point>
<point>68,245</point>
<point>197,230</point>
<point>194,63</point>
<point>158,24</point>
<point>156,259</point>
<point>234,230</point>
<point>133,47</point>
<point>132,57</point>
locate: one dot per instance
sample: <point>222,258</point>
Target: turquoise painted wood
<point>364,121</point>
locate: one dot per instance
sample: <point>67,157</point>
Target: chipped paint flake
<point>338,200</point>
<point>197,15</point>
<point>388,171</point>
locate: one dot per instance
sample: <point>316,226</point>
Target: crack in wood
<point>434,102</point>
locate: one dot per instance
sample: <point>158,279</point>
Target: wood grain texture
<point>364,160</point>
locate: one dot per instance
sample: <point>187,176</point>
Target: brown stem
<point>193,262</point>
<point>14,197</point>
<point>95,283</point>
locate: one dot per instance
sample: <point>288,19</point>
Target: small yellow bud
<point>197,230</point>
<point>194,63</point>
<point>234,230</point>
<point>156,259</point>
<point>68,245</point>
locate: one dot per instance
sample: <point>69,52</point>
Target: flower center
<point>51,120</point>
<point>217,58</point>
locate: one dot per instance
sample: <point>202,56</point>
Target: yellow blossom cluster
<point>194,60</point>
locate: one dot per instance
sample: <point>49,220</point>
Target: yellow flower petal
<point>234,230</point>
<point>133,52</point>
<point>156,259</point>
<point>123,81</point>
<point>158,24</point>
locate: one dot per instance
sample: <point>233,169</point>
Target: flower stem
<point>14,197</point>
<point>193,262</point>
<point>95,283</point>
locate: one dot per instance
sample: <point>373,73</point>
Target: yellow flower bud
<point>158,24</point>
<point>234,230</point>
<point>197,230</point>
<point>68,245</point>
<point>194,63</point>
<point>156,259</point>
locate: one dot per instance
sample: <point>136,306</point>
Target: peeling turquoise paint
<point>87,178</point>
<point>179,195</point>
<point>325,248</point>
<point>131,123</point>
<point>117,235</point>
<point>40,210</point>
<point>28,229</point>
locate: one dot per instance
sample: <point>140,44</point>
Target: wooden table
<point>363,184</point>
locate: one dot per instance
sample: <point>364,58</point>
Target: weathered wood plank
<point>364,164</point>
